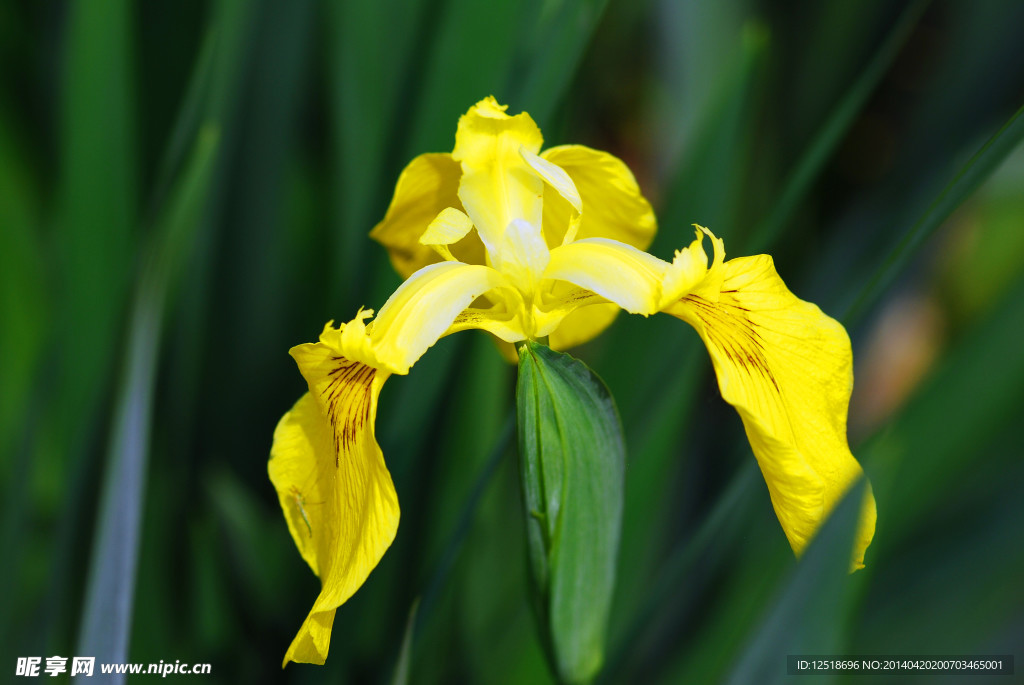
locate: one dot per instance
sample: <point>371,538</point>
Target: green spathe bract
<point>572,461</point>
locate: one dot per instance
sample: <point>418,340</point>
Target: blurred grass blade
<point>831,134</point>
<point>401,676</point>
<point>109,595</point>
<point>23,301</point>
<point>810,614</point>
<point>973,174</point>
<point>723,522</point>
<point>97,201</point>
<point>937,441</point>
<point>243,524</point>
<point>465,520</point>
<point>572,461</point>
<point>24,313</point>
<point>367,80</point>
<point>189,119</point>
<point>107,616</point>
<point>710,174</point>
<point>554,41</point>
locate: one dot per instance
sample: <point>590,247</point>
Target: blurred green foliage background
<point>185,193</point>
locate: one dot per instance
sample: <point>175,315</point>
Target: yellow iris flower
<point>557,251</point>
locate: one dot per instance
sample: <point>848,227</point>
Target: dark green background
<point>185,193</point>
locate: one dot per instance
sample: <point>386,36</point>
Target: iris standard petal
<point>613,206</point>
<point>428,185</point>
<point>334,488</point>
<point>787,368</point>
<point>497,184</point>
<point>556,177</point>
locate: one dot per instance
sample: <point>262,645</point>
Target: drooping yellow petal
<point>787,368</point>
<point>497,184</point>
<point>503,325</point>
<point>301,452</point>
<point>334,488</point>
<point>421,310</point>
<point>626,276</point>
<point>620,273</point>
<point>428,185</point>
<point>613,206</point>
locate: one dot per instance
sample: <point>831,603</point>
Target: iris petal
<point>428,185</point>
<point>787,368</point>
<point>448,227</point>
<point>620,273</point>
<point>613,206</point>
<point>423,308</point>
<point>582,325</point>
<point>497,185</point>
<point>334,488</point>
<point>555,177</point>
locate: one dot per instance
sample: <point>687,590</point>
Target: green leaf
<point>401,676</point>
<point>978,169</point>
<point>368,85</point>
<point>553,43</point>
<point>106,619</point>
<point>838,124</point>
<point>813,606</point>
<point>572,459</point>
<point>97,202</point>
<point>23,302</point>
<point>937,441</point>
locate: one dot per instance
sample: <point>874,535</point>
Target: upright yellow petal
<point>787,368</point>
<point>556,177</point>
<point>497,184</point>
<point>428,185</point>
<point>334,488</point>
<point>613,206</point>
<point>447,228</point>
